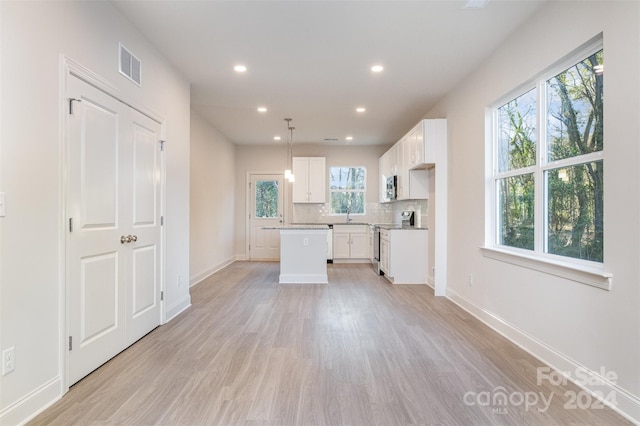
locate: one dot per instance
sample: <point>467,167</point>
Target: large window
<point>548,164</point>
<point>348,187</point>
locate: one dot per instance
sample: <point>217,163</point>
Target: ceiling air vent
<point>130,65</point>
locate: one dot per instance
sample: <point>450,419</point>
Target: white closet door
<point>113,244</point>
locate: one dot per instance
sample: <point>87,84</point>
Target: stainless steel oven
<point>375,260</point>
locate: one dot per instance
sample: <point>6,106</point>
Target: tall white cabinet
<point>310,176</point>
<point>421,155</point>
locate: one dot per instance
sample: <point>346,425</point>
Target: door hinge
<point>70,343</point>
<point>71,104</point>
<point>162,295</point>
<point>70,224</point>
<point>161,220</point>
<point>162,145</point>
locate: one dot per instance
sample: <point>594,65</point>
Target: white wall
<point>35,36</point>
<point>212,200</point>
<point>564,322</point>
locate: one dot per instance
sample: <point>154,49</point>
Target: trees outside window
<point>266,199</point>
<point>548,164</point>
<point>347,186</point>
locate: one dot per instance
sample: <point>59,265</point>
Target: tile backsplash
<point>374,213</point>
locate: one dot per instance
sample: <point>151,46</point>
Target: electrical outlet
<point>8,360</point>
<point>470,280</point>
<point>305,242</point>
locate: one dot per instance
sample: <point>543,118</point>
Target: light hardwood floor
<point>358,351</point>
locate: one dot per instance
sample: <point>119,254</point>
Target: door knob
<point>134,238</point>
<point>126,239</point>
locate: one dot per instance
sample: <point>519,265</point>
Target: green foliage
<point>266,199</point>
<point>517,148</point>
<point>517,205</point>
<point>575,194</point>
<point>574,204</point>
<point>348,185</point>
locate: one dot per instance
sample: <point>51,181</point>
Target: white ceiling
<point>311,60</point>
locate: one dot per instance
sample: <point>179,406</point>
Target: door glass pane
<point>266,199</point>
<point>575,110</point>
<point>516,211</point>
<point>575,211</point>
<point>517,133</point>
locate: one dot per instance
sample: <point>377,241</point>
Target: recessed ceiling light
<point>475,4</point>
<point>377,68</point>
<point>240,68</point>
<point>361,109</point>
<point>349,138</point>
<point>276,138</point>
<point>262,109</point>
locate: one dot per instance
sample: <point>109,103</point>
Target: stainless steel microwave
<point>392,188</point>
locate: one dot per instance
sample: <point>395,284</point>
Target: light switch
<point>2,208</point>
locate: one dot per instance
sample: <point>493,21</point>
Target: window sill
<point>583,274</point>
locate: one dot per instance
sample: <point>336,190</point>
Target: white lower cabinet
<point>350,242</point>
<point>384,251</point>
<point>403,255</point>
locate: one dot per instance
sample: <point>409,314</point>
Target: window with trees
<point>548,163</point>
<point>348,187</point>
<point>266,202</point>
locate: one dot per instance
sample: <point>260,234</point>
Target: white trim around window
<point>539,259</point>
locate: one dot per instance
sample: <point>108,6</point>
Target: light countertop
<point>306,227</point>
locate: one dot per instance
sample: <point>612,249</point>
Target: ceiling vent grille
<point>130,66</point>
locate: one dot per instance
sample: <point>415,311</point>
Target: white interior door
<point>113,244</point>
<point>144,202</point>
<point>267,204</point>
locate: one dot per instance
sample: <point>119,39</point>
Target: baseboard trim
<point>627,404</point>
<point>197,279</point>
<point>32,404</point>
<point>177,308</point>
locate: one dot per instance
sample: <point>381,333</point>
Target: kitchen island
<point>303,254</point>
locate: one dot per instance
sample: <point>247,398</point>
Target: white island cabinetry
<point>303,255</point>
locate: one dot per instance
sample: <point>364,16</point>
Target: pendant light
<point>288,173</point>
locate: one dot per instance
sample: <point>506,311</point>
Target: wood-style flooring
<point>358,351</point>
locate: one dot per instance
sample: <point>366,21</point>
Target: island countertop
<point>318,227</point>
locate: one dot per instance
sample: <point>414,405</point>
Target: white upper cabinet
<point>404,149</point>
<point>426,136</point>
<point>310,176</point>
<point>409,158</point>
